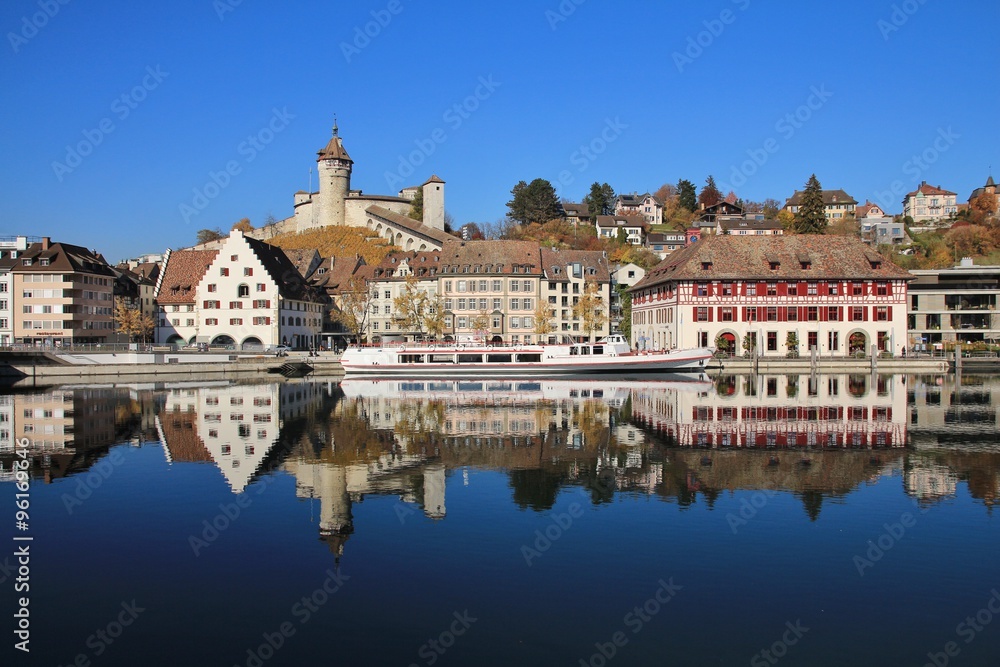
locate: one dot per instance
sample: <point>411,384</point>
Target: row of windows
<point>235,305</point>
<point>880,288</point>
<point>224,270</point>
<point>792,313</point>
<point>238,321</point>
<point>486,286</point>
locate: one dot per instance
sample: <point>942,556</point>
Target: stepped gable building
<point>176,294</point>
<point>778,295</point>
<point>335,203</point>
<point>246,293</point>
<point>61,294</point>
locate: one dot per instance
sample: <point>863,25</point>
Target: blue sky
<point>636,94</point>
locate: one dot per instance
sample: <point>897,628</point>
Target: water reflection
<point>681,439</point>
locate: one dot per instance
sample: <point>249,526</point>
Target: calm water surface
<point>827,520</point>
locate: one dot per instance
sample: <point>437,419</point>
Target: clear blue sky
<point>211,74</point>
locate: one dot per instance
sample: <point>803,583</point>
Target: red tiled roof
<point>183,272</point>
<point>929,190</point>
<point>751,257</point>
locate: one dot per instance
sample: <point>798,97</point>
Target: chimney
<point>46,241</point>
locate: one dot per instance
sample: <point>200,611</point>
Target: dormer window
<point>26,261</point>
<point>805,266</point>
<point>706,266</point>
<point>44,261</point>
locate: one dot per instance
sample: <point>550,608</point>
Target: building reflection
<point>683,439</point>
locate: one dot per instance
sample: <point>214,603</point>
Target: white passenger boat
<point>608,355</point>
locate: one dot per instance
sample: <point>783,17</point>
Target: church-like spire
<point>335,130</point>
<point>334,150</point>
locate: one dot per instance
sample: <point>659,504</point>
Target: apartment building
<point>61,294</point>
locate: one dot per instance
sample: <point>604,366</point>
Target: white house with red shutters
<point>779,295</point>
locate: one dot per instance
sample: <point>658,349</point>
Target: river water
<point>676,520</point>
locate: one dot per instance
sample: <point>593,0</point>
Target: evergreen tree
<point>811,218</point>
<point>710,195</point>
<point>417,205</point>
<point>534,202</point>
<point>687,197</point>
<point>600,201</point>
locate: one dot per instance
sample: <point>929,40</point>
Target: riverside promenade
<point>50,367</point>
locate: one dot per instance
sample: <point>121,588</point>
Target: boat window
<point>584,350</point>
<point>498,358</point>
<point>470,358</point>
<point>441,359</point>
<point>598,349</point>
<point>573,351</point>
<point>529,358</point>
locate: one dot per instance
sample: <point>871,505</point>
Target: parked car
<point>280,350</point>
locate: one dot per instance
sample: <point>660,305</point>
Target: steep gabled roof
<point>751,258</point>
<point>60,258</point>
<point>926,190</point>
<point>291,284</point>
<point>181,275</point>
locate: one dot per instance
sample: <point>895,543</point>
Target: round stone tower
<point>334,168</point>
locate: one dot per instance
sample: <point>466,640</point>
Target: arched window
<point>244,290</point>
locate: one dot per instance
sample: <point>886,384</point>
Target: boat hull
<point>671,362</point>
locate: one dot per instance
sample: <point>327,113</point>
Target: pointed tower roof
<point>989,181</point>
<point>334,150</point>
<point>433,179</point>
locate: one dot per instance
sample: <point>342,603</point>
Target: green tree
<point>534,202</point>
<point>687,197</point>
<point>811,218</point>
<point>792,343</point>
<point>709,195</point>
<point>417,205</point>
<point>600,201</point>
